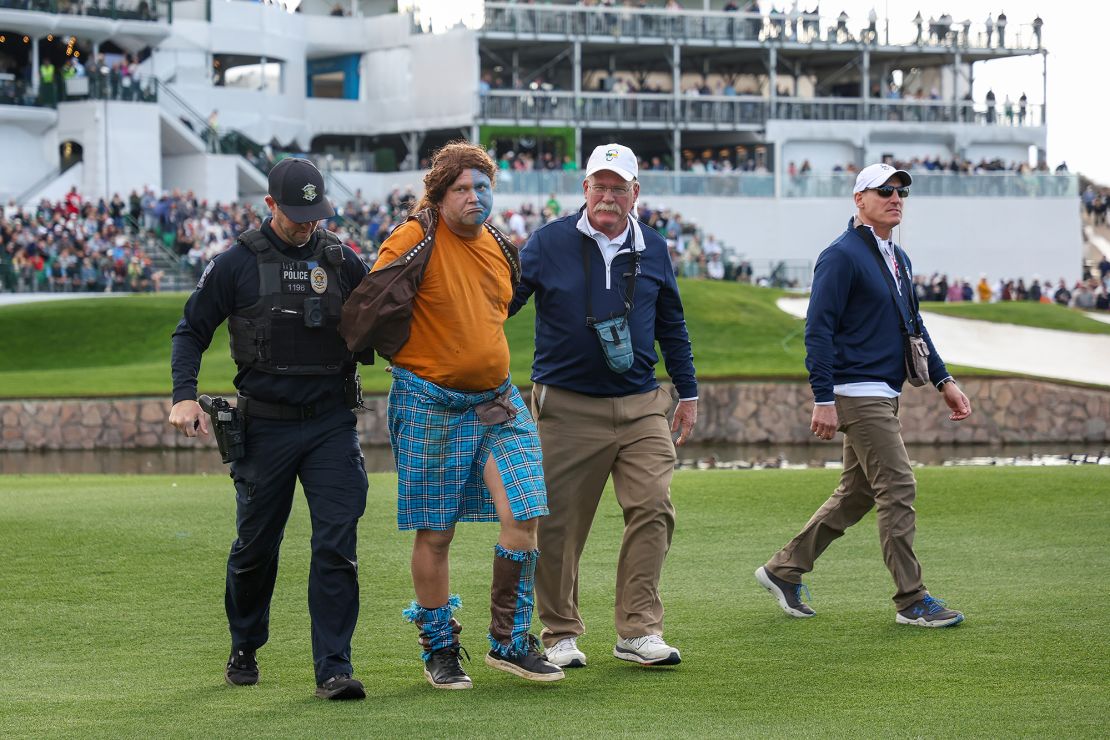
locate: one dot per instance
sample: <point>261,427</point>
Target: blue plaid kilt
<point>440,448</point>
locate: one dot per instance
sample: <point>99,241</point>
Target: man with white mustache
<point>605,293</point>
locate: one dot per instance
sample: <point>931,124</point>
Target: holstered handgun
<point>352,390</point>
<point>227,427</point>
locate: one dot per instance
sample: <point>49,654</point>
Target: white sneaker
<point>648,650</point>
<point>565,653</point>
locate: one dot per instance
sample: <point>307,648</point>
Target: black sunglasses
<point>885,191</point>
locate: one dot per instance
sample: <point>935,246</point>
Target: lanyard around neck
<point>589,244</point>
<point>912,320</point>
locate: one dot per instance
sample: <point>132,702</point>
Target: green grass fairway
<point>100,347</point>
<point>121,346</point>
<point>113,624</point>
<point>1022,313</point>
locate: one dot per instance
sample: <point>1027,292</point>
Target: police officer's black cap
<point>298,188</point>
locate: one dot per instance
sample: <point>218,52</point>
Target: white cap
<point>615,158</point>
<point>874,175</point>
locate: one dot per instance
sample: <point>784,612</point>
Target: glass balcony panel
<point>943,184</point>
<point>719,26</point>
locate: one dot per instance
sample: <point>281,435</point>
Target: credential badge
<point>309,191</point>
<point>319,279</point>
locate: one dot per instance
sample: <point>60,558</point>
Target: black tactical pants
<point>324,453</point>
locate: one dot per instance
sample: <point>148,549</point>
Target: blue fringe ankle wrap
<point>434,624</point>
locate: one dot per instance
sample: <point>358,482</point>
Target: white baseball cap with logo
<point>615,158</point>
<point>874,175</point>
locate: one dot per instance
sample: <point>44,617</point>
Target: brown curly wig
<point>448,163</point>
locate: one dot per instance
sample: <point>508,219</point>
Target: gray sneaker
<point>646,650</point>
<point>929,612</point>
<point>565,654</point>
<point>789,595</point>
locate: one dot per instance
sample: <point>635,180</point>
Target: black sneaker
<point>532,665</point>
<point>929,612</point>
<point>789,595</point>
<point>341,687</point>
<point>242,668</point>
<point>444,670</point>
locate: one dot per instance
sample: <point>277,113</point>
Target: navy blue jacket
<point>229,283</point>
<point>853,327</point>
<point>568,352</point>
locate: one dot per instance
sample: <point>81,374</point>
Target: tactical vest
<point>292,329</point>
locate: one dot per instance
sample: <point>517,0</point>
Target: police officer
<point>281,288</point>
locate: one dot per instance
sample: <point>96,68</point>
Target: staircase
<point>163,259</point>
<point>1096,247</point>
<point>174,276</point>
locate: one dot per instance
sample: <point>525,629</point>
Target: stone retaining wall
<point>1005,410</point>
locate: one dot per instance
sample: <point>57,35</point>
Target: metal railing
<point>716,27</point>
<point>97,84</point>
<point>926,183</point>
<point>565,108</point>
<point>133,10</point>
<point>174,104</point>
<point>39,184</point>
<point>904,110</point>
<point>18,92</point>
<point>176,275</point>
<point>648,110</point>
<point>652,184</point>
<point>944,184</point>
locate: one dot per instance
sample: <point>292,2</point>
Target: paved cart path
<point>1019,349</point>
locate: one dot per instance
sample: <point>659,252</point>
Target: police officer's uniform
<point>282,304</point>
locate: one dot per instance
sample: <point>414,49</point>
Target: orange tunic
<point>457,338</point>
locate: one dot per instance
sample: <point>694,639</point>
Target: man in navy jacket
<point>605,293</point>
<point>861,308</point>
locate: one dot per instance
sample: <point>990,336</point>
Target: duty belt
<point>284,412</point>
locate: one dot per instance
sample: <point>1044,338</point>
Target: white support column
<point>772,78</point>
<point>35,81</point>
<point>676,135</point>
<point>577,73</point>
<point>865,84</point>
<point>578,106</point>
<point>956,79</point>
<point>413,140</point>
<point>1044,88</point>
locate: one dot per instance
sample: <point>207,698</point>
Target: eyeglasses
<point>615,191</point>
<point>885,191</point>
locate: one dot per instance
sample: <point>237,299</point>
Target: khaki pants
<point>585,439</point>
<point>877,473</point>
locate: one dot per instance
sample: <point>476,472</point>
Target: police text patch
<point>295,277</point>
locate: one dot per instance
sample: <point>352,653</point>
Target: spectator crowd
<point>78,245</point>
<point>1092,292</point>
<point>73,245</point>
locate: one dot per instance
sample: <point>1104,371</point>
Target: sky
<point>1078,102</point>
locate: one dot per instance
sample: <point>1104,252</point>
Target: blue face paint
<point>483,188</point>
